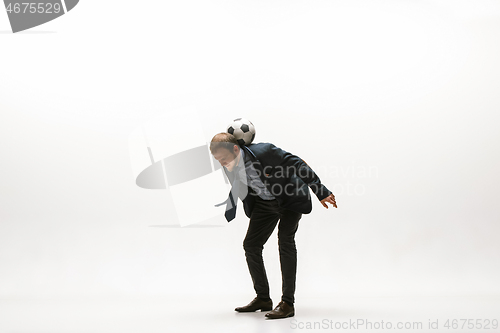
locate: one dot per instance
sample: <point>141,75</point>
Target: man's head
<point>225,149</point>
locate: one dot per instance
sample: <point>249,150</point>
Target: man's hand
<point>330,199</point>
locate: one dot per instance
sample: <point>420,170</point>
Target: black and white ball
<point>243,130</point>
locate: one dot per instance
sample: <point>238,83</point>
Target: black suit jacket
<point>285,175</point>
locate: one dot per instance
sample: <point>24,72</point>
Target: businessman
<point>273,185</point>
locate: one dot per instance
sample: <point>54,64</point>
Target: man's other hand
<point>330,199</point>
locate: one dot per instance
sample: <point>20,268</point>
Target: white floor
<point>216,314</point>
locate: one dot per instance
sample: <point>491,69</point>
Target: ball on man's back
<point>243,130</point>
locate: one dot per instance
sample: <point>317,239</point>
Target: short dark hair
<point>223,140</point>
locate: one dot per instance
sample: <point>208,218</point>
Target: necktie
<point>230,213</point>
<point>232,200</point>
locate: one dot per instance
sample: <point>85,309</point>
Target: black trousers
<point>264,218</point>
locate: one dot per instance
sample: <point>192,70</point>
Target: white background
<point>395,104</point>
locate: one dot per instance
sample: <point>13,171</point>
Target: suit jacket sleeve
<point>289,164</point>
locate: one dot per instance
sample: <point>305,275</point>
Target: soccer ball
<point>243,130</point>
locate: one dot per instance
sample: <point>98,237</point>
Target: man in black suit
<point>273,185</point>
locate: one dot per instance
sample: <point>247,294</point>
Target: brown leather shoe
<point>256,304</point>
<point>282,310</point>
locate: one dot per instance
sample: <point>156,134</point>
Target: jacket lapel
<point>255,162</point>
<point>257,165</point>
